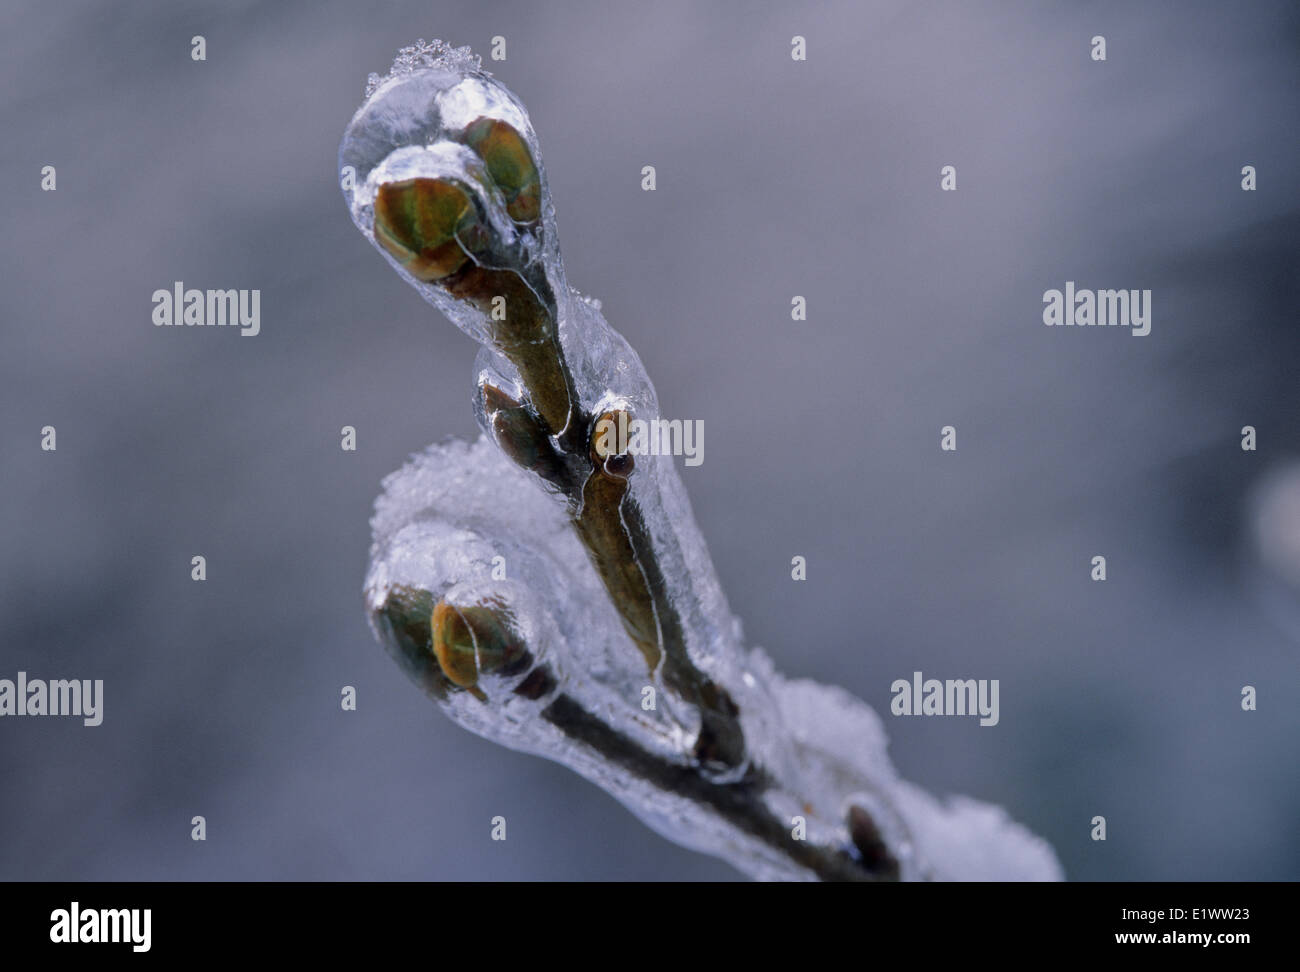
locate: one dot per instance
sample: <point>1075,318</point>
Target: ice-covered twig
<point>550,589</point>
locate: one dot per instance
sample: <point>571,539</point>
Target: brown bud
<point>521,434</point>
<point>475,640</point>
<point>609,444</point>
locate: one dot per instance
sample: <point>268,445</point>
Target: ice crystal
<point>422,54</point>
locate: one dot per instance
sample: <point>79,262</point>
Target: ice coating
<point>439,523</point>
<point>408,127</point>
<point>456,512</point>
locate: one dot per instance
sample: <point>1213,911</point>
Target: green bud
<point>430,226</point>
<point>510,164</point>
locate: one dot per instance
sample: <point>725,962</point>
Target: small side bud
<point>520,433</point>
<point>609,444</point>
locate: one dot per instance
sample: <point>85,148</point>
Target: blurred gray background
<point>776,178</point>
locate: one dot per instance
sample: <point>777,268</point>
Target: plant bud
<point>430,226</point>
<point>510,164</point>
<point>609,444</point>
<point>475,640</point>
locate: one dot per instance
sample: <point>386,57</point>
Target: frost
<point>435,54</point>
<point>465,525</point>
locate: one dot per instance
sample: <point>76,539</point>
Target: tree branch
<point>785,779</point>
